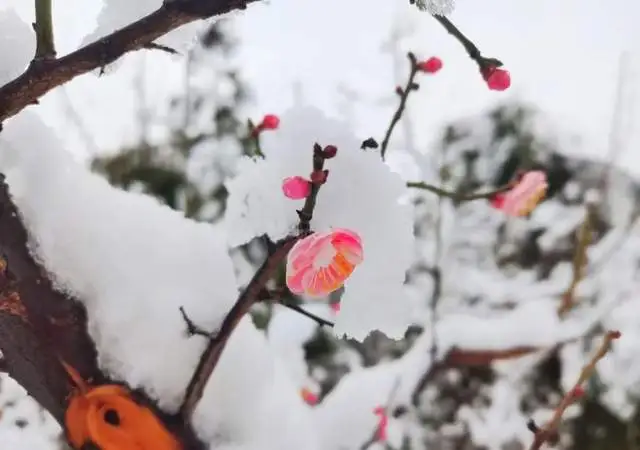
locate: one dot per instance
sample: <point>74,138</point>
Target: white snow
<point>37,430</point>
<point>17,45</point>
<point>360,187</point>
<point>133,262</point>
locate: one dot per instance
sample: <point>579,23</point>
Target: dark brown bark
<point>38,325</point>
<point>45,74</point>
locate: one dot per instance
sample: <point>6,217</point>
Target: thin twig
<point>45,46</point>
<point>192,328</point>
<point>280,296</point>
<point>471,49</point>
<point>252,293</point>
<point>404,95</point>
<point>254,138</point>
<point>550,429</point>
<point>319,320</point>
<point>620,242</point>
<point>579,263</point>
<point>162,48</point>
<point>459,197</point>
<point>41,78</point>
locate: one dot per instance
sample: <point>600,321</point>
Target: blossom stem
<point>455,195</point>
<point>306,213</point>
<point>404,95</point>
<point>299,309</point>
<point>472,50</point>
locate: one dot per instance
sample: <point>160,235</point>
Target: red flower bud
<point>431,65</point>
<point>329,151</point>
<point>497,79</point>
<point>269,122</point>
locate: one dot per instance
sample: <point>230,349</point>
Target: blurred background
<point>174,127</point>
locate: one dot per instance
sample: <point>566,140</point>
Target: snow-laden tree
<point>129,324</point>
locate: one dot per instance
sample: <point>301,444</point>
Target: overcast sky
<point>563,57</point>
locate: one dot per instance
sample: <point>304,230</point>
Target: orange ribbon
<point>109,418</point>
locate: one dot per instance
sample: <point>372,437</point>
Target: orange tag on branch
<point>108,417</point>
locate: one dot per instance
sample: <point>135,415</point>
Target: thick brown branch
<point>41,78</point>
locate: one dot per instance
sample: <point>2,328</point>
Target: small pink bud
<point>497,79</point>
<point>329,151</point>
<point>309,397</point>
<point>431,65</point>
<point>615,334</point>
<point>270,122</point>
<point>497,201</point>
<point>335,307</point>
<point>383,422</point>
<point>296,188</point>
<point>319,176</point>
<point>399,91</point>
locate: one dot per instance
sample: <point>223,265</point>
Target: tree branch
<point>45,44</point>
<point>41,78</point>
<point>550,429</point>
<point>459,197</point>
<point>252,293</point>
<point>404,95</point>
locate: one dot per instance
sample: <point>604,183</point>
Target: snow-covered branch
<point>38,325</point>
<point>43,75</point>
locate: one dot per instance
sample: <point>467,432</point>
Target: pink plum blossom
<point>320,263</point>
<point>524,196</point>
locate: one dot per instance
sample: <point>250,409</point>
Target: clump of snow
<point>361,194</point>
<point>134,262</point>
<point>17,45</point>
<point>116,14</point>
<point>287,333</point>
<point>441,7</point>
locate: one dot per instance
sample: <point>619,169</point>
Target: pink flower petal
<point>296,187</point>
